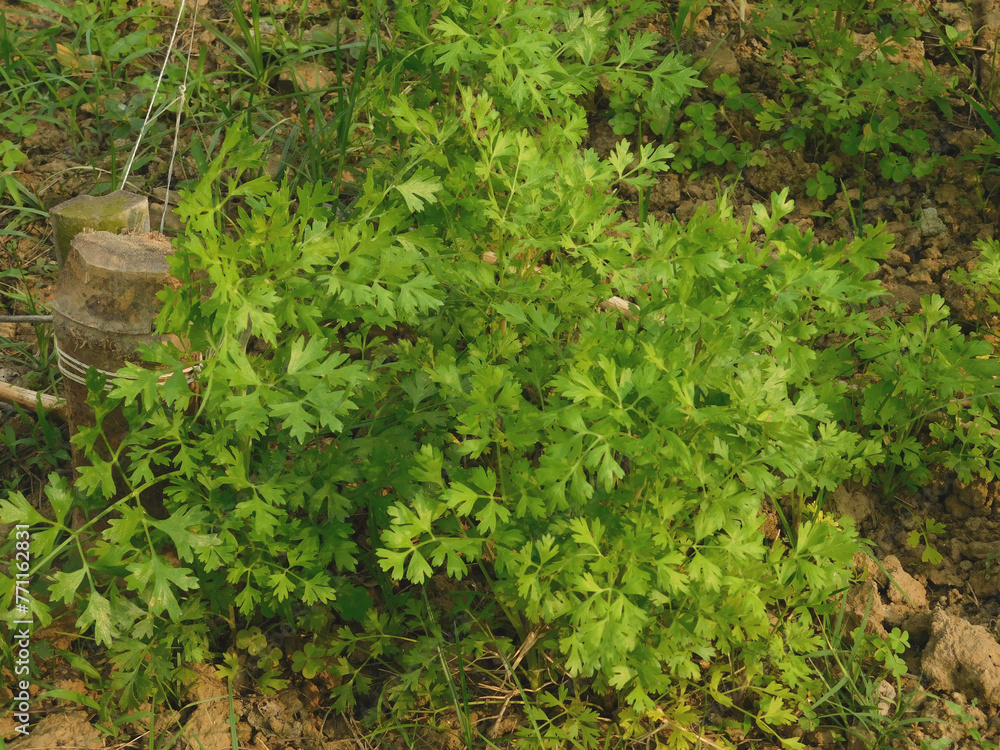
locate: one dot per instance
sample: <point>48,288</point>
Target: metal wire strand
<point>156,90</point>
<point>182,100</point>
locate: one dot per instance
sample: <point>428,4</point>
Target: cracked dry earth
<point>951,610</point>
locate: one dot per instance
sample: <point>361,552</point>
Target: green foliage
<point>928,374</point>
<point>38,356</point>
<point>888,649</point>
<point>10,157</point>
<point>72,75</point>
<point>964,720</point>
<point>536,59</point>
<point>97,41</point>
<point>836,92</point>
<point>35,449</point>
<point>883,134</point>
<point>256,50</point>
<point>863,696</point>
<point>559,720</point>
<point>981,102</point>
<point>587,466</point>
<point>683,22</point>
<point>982,279</point>
<point>411,403</point>
<point>704,126</point>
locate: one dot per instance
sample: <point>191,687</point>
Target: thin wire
<point>76,370</point>
<point>182,96</point>
<point>156,90</point>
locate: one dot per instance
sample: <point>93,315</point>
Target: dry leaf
<point>621,305</point>
<point>71,60</point>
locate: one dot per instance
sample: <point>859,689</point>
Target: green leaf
<point>69,695</point>
<point>156,580</point>
<point>265,517</point>
<point>98,614</point>
<point>492,516</point>
<point>934,526</point>
<point>121,530</point>
<point>80,664</point>
<point>305,354</point>
<point>281,586</point>
<point>16,509</point>
<point>931,555</point>
<point>419,189</point>
<point>460,498</point>
<point>415,296</point>
<point>316,590</point>
<point>66,585</point>
<point>248,599</point>
<point>59,497</point>
<point>418,570</point>
<point>353,602</point>
<point>297,420</point>
<point>392,562</point>
<point>178,526</point>
<point>246,412</point>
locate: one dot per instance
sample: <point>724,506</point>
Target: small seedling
<point>922,535</point>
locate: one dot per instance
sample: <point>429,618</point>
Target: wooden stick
<point>32,319</point>
<point>17,395</point>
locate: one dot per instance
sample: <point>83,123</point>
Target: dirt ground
<point>951,610</point>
